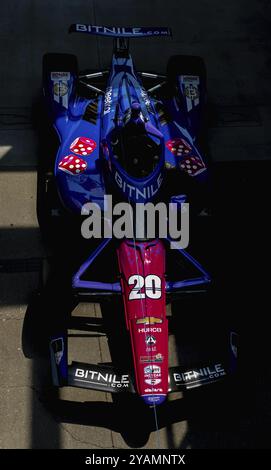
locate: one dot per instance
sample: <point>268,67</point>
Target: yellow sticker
<point>60,89</point>
<point>149,320</point>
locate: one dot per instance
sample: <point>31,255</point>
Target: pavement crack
<point>78,439</point>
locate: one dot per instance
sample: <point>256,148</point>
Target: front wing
<point>109,379</point>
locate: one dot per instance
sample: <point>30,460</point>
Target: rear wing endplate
<point>120,31</point>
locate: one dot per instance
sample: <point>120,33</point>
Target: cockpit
<point>136,150</point>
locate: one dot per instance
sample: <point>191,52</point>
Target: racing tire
<point>50,140</point>
<point>49,207</point>
<point>190,65</point>
<point>185,65</point>
<point>47,135</point>
<point>61,62</point>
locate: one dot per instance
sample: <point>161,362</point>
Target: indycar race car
<point>138,137</point>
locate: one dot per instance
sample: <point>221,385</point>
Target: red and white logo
<point>73,165</point>
<point>152,369</point>
<point>153,381</point>
<point>83,146</point>
<point>149,330</point>
<point>192,165</point>
<point>153,390</point>
<point>178,147</point>
<point>150,340</point>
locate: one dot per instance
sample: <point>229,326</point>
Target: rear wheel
<point>60,63</point>
<point>48,137</point>
<point>49,207</point>
<point>190,66</point>
<point>197,123</point>
<point>185,65</point>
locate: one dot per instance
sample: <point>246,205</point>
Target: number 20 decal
<point>152,284</point>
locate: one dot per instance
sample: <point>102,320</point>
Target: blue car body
<point>166,120</point>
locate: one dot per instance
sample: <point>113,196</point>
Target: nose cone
<point>154,399</point>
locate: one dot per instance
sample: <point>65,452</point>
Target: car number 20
<point>151,285</point>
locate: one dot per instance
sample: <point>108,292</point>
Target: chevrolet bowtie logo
<point>148,320</point>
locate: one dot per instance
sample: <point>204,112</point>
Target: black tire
<point>50,63</point>
<point>35,329</point>
<point>47,135</point>
<point>60,63</point>
<point>48,201</point>
<point>185,65</point>
<point>190,65</point>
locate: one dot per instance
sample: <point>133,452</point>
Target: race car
<point>140,138</point>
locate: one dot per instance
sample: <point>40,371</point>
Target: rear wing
<point>120,31</point>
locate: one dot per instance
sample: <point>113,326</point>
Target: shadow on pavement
<point>238,416</point>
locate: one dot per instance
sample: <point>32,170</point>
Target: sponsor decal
<point>200,375</point>
<point>191,90</point>
<point>104,378</point>
<point>153,399</point>
<point>152,381</point>
<point>193,165</point>
<point>127,115</point>
<point>58,357</point>
<point>150,340</point>
<point>58,76</point>
<point>156,358</point>
<point>60,89</point>
<point>179,147</point>
<point>149,320</point>
<point>151,284</point>
<point>153,369</point>
<point>83,146</point>
<point>149,330</point>
<point>116,30</point>
<point>146,100</point>
<point>58,348</point>
<point>153,390</point>
<point>141,194</point>
<point>73,165</point>
<point>108,100</point>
